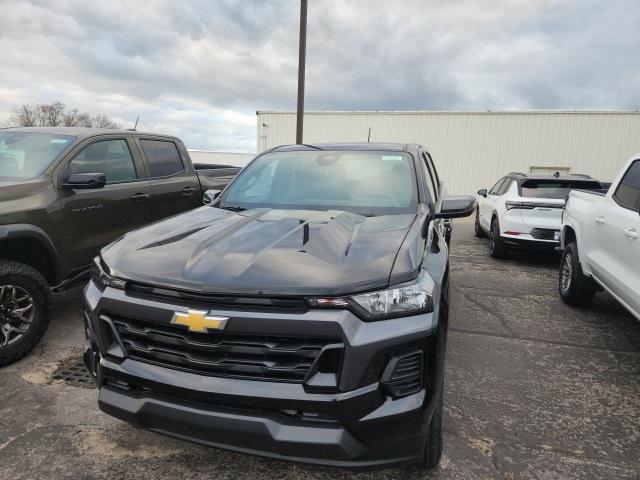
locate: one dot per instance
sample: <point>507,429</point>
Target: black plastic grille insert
<point>403,375</point>
<point>258,357</point>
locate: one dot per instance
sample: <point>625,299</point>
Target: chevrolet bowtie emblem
<point>199,321</point>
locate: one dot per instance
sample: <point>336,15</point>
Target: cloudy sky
<point>201,68</point>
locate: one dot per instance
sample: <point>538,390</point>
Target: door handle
<point>631,233</point>
<point>138,197</point>
<point>187,191</point>
<point>600,220</point>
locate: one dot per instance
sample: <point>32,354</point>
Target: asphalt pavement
<point>534,389</point>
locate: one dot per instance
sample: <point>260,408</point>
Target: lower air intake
<point>403,375</point>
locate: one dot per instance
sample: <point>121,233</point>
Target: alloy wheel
<point>16,313</point>
<point>566,273</point>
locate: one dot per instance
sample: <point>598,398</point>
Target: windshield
<point>556,189</point>
<point>25,155</point>
<point>367,183</point>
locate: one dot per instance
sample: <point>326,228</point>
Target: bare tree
<point>102,121</point>
<point>50,115</point>
<point>23,116</point>
<point>74,118</point>
<point>55,115</point>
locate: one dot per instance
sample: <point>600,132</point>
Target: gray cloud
<point>200,69</point>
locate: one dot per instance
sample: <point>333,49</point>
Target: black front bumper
<point>255,422</point>
<point>530,244</point>
<point>356,426</point>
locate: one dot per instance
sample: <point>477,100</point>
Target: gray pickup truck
<point>67,192</point>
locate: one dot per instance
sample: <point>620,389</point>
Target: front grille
<point>256,357</point>
<point>544,233</point>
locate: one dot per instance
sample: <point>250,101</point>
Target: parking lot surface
<point>533,389</point>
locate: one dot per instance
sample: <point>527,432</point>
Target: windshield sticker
<point>392,158</point>
<point>59,140</point>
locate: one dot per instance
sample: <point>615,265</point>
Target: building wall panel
<point>473,149</point>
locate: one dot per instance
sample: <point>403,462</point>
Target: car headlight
<point>402,300</point>
<point>102,279</point>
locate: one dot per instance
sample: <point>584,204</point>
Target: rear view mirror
<point>483,192</point>
<point>85,181</point>
<point>209,196</point>
<point>457,207</point>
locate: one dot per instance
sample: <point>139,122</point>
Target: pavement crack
<point>493,293</point>
<point>480,304</point>
<point>13,439</point>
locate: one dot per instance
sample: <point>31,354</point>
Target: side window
<point>496,188</point>
<point>163,157</point>
<point>432,184</point>
<point>628,192</point>
<point>111,157</point>
<point>505,186</point>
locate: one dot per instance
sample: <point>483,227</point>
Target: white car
<point>601,241</point>
<point>522,211</point>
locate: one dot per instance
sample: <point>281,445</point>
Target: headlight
<point>403,300</point>
<point>102,279</point>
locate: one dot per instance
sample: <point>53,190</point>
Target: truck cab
<point>600,238</point>
<point>313,290</point>
<point>67,192</point>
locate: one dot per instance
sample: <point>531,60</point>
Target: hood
<point>16,189</point>
<point>16,198</point>
<point>263,251</point>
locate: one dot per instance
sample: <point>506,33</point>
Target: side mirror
<point>85,181</point>
<point>209,196</point>
<point>483,192</point>
<point>457,207</point>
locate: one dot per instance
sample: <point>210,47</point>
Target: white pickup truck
<point>601,242</point>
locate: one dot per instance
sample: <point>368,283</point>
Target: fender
<point>436,263</point>
<point>26,230</point>
<point>495,215</point>
<point>569,221</point>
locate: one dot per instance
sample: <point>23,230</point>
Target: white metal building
<point>474,149</point>
<point>220,158</point>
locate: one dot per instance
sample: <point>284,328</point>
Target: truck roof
<point>80,132</point>
<point>356,146</point>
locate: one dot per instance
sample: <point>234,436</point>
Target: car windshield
<point>25,155</point>
<point>556,189</point>
<point>367,183</point>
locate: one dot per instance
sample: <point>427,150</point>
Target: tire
<point>478,232</point>
<point>433,446</point>
<point>21,285</point>
<point>497,249</point>
<point>575,287</point>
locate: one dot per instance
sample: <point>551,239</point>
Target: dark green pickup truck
<point>67,192</point>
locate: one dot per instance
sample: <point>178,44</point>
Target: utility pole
<point>302,54</point>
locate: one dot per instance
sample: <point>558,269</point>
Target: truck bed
<point>215,177</point>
